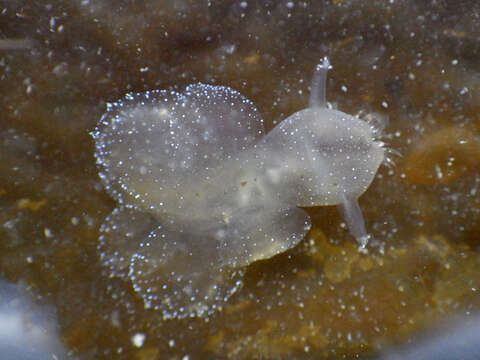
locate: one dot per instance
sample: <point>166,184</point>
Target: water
<point>414,65</point>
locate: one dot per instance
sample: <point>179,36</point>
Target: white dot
<point>138,339</point>
<point>48,233</point>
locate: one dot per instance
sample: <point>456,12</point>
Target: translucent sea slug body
<point>203,192</point>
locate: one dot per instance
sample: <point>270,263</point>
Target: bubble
<point>202,192</point>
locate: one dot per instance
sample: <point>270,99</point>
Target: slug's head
<point>336,155</point>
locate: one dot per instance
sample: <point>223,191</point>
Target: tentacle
<point>318,90</point>
<point>352,213</point>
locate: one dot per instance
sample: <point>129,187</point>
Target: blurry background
<point>27,331</point>
<point>414,65</point>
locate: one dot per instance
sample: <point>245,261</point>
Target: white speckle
<point>29,259</point>
<point>290,5</point>
<point>115,319</point>
<point>411,76</point>
<point>385,104</point>
<point>438,171</point>
<point>463,91</point>
<point>74,220</point>
<point>243,4</point>
<point>229,48</point>
<point>344,88</point>
<point>47,232</point>
<point>138,339</point>
<point>171,343</point>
